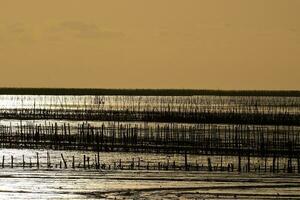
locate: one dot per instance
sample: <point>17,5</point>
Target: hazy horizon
<point>171,44</point>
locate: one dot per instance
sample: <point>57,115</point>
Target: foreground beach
<point>80,184</point>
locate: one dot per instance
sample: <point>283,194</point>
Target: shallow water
<point>60,183</point>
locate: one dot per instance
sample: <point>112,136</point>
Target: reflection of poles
<point>239,163</point>
<point>22,109</point>
<point>98,159</point>
<point>48,160</point>
<point>185,161</point>
<point>21,128</point>
<point>98,151</point>
<point>248,164</point>
<point>290,164</point>
<point>84,161</point>
<point>23,161</point>
<point>221,162</point>
<point>273,164</point>
<point>34,111</point>
<point>298,162</point>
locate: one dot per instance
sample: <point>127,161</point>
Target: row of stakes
<point>133,165</point>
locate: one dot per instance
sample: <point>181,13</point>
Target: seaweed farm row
<point>154,116</point>
<point>201,139</point>
<point>237,104</point>
<point>112,161</point>
<point>191,109</point>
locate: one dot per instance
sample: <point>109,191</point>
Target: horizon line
<point>144,91</point>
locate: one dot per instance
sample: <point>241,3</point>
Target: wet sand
<point>85,184</point>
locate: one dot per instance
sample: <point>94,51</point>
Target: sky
<point>197,44</point>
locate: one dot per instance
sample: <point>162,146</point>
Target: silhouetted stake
<point>84,162</point>
<point>88,162</point>
<point>167,167</point>
<point>239,164</point>
<point>12,161</point>
<point>37,160</point>
<point>290,166</point>
<point>274,164</point>
<point>209,164</point>
<point>265,164</point>
<point>73,162</point>
<point>23,158</point>
<point>3,158</point>
<point>174,165</point>
<point>98,158</point>
<point>30,163</point>
<point>278,169</point>
<point>248,164</point>
<point>48,160</point>
<point>221,163</point>
<point>185,161</point>
<point>290,160</point>
<point>65,163</point>
<point>132,164</point>
<point>298,162</point>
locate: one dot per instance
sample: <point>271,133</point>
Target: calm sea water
<point>18,183</point>
<point>149,103</point>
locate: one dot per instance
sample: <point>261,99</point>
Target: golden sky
<point>212,44</point>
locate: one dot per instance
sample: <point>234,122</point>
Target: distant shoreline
<point>145,92</point>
